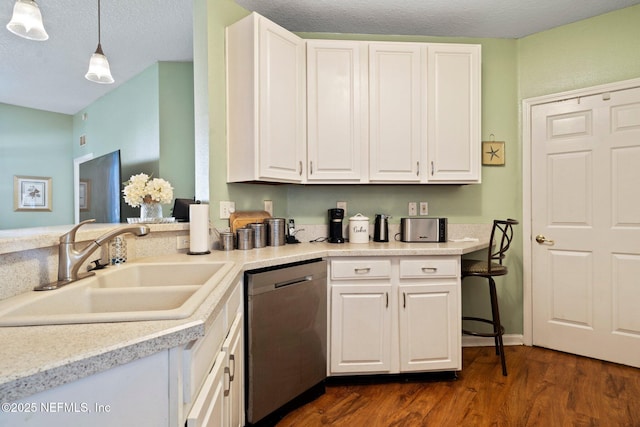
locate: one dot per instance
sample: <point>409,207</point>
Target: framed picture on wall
<point>493,153</point>
<point>31,193</point>
<point>85,195</point>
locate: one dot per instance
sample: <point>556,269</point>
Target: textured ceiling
<point>136,33</point>
<point>49,75</point>
<point>465,18</point>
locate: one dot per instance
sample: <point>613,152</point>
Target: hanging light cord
<point>99,49</point>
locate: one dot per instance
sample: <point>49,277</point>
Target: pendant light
<point>26,21</point>
<point>99,71</point>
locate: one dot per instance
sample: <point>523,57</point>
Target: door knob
<point>541,239</point>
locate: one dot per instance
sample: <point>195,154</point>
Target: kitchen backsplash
<point>22,270</point>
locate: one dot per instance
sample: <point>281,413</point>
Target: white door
<point>397,122</point>
<point>282,103</point>
<point>360,328</point>
<point>336,110</point>
<point>585,193</point>
<point>429,327</point>
<point>210,408</point>
<point>454,113</point>
<point>232,346</point>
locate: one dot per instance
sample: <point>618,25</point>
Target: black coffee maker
<point>335,225</point>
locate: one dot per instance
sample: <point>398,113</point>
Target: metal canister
<point>275,231</point>
<point>245,238</point>
<point>226,241</point>
<point>259,234</point>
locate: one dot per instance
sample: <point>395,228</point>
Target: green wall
<point>149,116</point>
<point>176,127</point>
<point>586,53</point>
<point>125,119</point>
<point>35,143</point>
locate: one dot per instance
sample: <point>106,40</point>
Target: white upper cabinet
<point>266,102</point>
<point>349,112</point>
<point>453,119</point>
<point>336,111</point>
<point>397,111</point>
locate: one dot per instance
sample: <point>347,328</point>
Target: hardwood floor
<point>544,388</point>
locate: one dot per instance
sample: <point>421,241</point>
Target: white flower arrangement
<point>141,188</point>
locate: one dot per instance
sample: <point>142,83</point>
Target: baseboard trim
<point>507,339</point>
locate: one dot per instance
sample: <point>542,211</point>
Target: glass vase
<point>150,212</point>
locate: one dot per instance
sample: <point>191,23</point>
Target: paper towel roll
<point>199,229</point>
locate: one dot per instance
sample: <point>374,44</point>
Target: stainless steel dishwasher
<point>286,338</point>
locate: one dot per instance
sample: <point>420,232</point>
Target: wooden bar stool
<point>501,236</point>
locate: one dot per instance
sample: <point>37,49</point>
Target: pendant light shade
<point>27,21</point>
<point>99,71</point>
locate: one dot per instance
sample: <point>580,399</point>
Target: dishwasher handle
<point>294,281</point>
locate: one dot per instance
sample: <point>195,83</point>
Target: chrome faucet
<point>70,259</point>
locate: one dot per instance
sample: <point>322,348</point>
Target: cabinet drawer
<point>360,269</point>
<point>429,267</point>
<point>198,357</point>
<point>233,306</point>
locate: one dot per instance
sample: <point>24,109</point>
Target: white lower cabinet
<point>233,349</point>
<point>360,328</point>
<point>133,394</point>
<point>398,314</point>
<point>219,402</point>
<point>429,327</point>
<point>210,408</point>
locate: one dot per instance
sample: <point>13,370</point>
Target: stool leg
<point>497,326</point>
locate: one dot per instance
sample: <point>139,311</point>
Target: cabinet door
<point>397,104</point>
<point>232,346</point>
<point>429,327</point>
<point>336,110</point>
<point>209,409</point>
<point>454,113</point>
<point>281,79</point>
<point>360,328</point>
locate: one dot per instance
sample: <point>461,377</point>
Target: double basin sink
<point>124,293</point>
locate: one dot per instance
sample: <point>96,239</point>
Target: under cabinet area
<point>350,112</point>
<point>393,315</point>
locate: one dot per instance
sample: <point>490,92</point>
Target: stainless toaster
<point>423,229</point>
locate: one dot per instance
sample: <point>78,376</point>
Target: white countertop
<point>36,358</point>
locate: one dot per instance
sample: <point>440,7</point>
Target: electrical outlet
<point>183,242</point>
<point>413,209</point>
<point>226,209</point>
<point>342,205</point>
<point>268,207</point>
<point>424,208</point>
